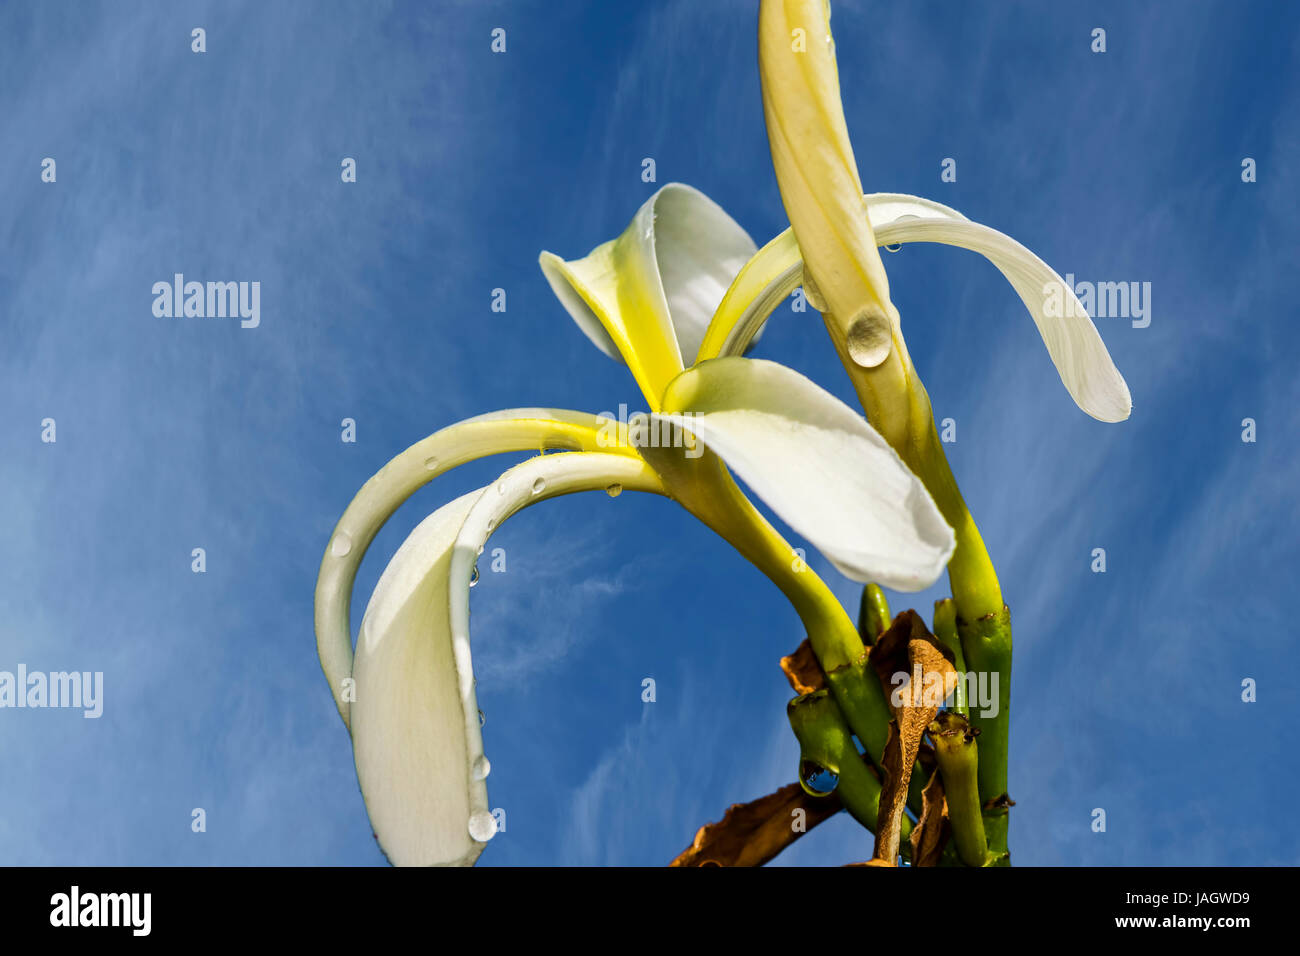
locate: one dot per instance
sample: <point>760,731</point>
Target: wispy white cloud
<point>558,579</point>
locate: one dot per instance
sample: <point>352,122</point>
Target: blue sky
<point>176,434</point>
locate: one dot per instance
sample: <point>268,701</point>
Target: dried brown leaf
<point>751,834</point>
<point>907,648</point>
<point>931,831</point>
<point>802,670</point>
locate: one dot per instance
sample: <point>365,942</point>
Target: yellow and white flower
<point>646,297</point>
<point>679,297</point>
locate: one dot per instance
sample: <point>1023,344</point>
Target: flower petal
<point>814,164</point>
<point>415,728</point>
<point>761,285</point>
<point>512,430</point>
<point>415,724</point>
<point>818,465</point>
<point>1072,341</point>
<point>647,296</point>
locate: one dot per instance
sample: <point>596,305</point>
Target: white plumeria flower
<point>679,297</point>
<point>412,709</point>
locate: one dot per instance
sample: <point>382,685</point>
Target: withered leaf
<point>751,834</point>
<point>907,648</point>
<point>931,831</point>
<point>802,670</point>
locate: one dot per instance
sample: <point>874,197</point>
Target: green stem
<point>706,489</point>
<point>861,698</point>
<point>945,630</point>
<point>873,614</point>
<point>987,646</point>
<point>954,747</point>
<point>825,739</point>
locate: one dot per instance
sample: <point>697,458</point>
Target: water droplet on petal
<point>431,462</point>
<point>812,293</point>
<point>491,523</point>
<point>482,826</point>
<point>539,486</point>
<point>614,490</point>
<point>341,544</point>
<point>501,487</point>
<point>816,780</point>
<point>473,576</point>
<point>870,337</point>
<point>482,718</point>
<point>482,767</point>
<point>895,247</point>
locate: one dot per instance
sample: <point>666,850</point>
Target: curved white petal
<point>647,297</point>
<point>1072,341</point>
<point>818,465</point>
<point>415,723</point>
<point>512,430</point>
<point>1076,348</point>
<point>699,249</point>
<point>415,729</point>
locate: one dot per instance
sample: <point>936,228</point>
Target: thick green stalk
<point>861,698</point>
<point>826,740</point>
<point>954,747</point>
<point>945,630</point>
<point>987,646</point>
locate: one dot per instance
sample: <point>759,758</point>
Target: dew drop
<point>812,293</point>
<point>501,487</point>
<point>614,490</point>
<point>870,337</point>
<point>895,247</point>
<point>482,826</point>
<point>482,767</point>
<point>473,576</point>
<point>482,718</point>
<point>816,780</point>
<point>491,523</point>
<point>431,463</point>
<point>539,486</point>
<point>341,544</point>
